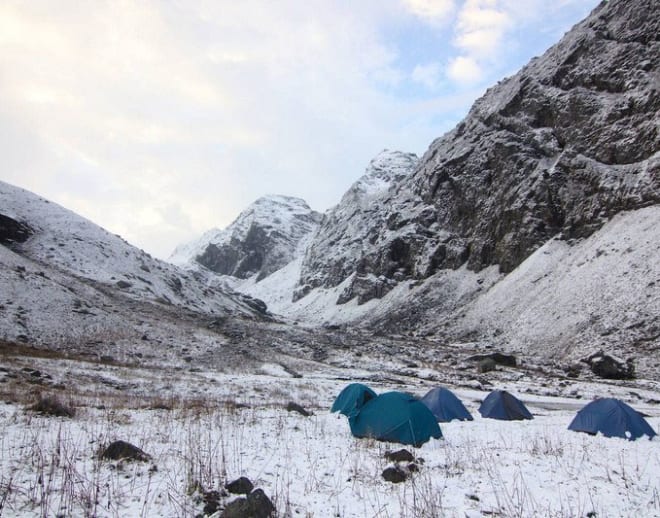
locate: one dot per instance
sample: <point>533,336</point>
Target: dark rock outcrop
<point>13,231</point>
<point>560,147</point>
<point>606,366</point>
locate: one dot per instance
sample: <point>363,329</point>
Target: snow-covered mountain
<point>266,236</point>
<point>532,226</point>
<point>64,280</point>
<point>336,243</point>
<point>559,148</point>
<point>550,175</point>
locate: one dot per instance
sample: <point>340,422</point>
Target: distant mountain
<point>265,237</point>
<point>64,281</point>
<point>330,254</point>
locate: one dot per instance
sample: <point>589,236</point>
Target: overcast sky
<point>161,120</point>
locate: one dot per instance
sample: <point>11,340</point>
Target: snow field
<point>313,467</point>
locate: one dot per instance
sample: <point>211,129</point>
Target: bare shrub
<point>51,405</point>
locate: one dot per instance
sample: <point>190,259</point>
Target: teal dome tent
<point>395,417</point>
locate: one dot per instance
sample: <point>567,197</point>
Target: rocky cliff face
<point>264,238</point>
<point>557,149</point>
<point>350,228</point>
<point>560,147</point>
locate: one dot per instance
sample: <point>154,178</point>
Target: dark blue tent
<point>499,404</point>
<point>395,417</point>
<point>445,405</point>
<point>612,418</point>
<point>352,398</point>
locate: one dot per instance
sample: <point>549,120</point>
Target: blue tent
<point>612,418</point>
<point>352,398</point>
<point>395,417</point>
<point>499,404</point>
<point>445,405</point>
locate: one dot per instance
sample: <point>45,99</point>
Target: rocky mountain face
<point>65,281</point>
<point>557,149</point>
<point>336,250</point>
<point>264,238</point>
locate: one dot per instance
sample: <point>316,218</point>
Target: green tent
<point>352,398</point>
<point>395,417</point>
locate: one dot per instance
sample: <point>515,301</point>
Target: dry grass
<point>51,405</point>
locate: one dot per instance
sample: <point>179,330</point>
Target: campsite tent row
<point>400,417</point>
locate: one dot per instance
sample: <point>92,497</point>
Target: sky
<point>159,120</point>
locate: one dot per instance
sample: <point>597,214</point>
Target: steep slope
<point>264,238</point>
<point>557,149</point>
<point>565,301</point>
<point>348,229</point>
<point>67,280</point>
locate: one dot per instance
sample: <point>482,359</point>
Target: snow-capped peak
<point>262,239</point>
<point>385,168</point>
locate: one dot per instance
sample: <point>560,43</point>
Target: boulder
<point>395,474</point>
<point>605,366</point>
<point>212,502</point>
<point>402,455</point>
<point>122,450</point>
<point>295,407</point>
<point>256,505</point>
<point>240,486</point>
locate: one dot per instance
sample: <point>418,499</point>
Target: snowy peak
<point>263,238</point>
<point>347,229</point>
<point>384,169</point>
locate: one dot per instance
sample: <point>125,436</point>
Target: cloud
<point>464,69</point>
<point>481,29</point>
<point>117,109</point>
<point>433,11</point>
<point>428,75</point>
<point>175,115</point>
<point>479,35</point>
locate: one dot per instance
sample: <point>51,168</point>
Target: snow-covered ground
<point>567,299</point>
<point>222,426</point>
